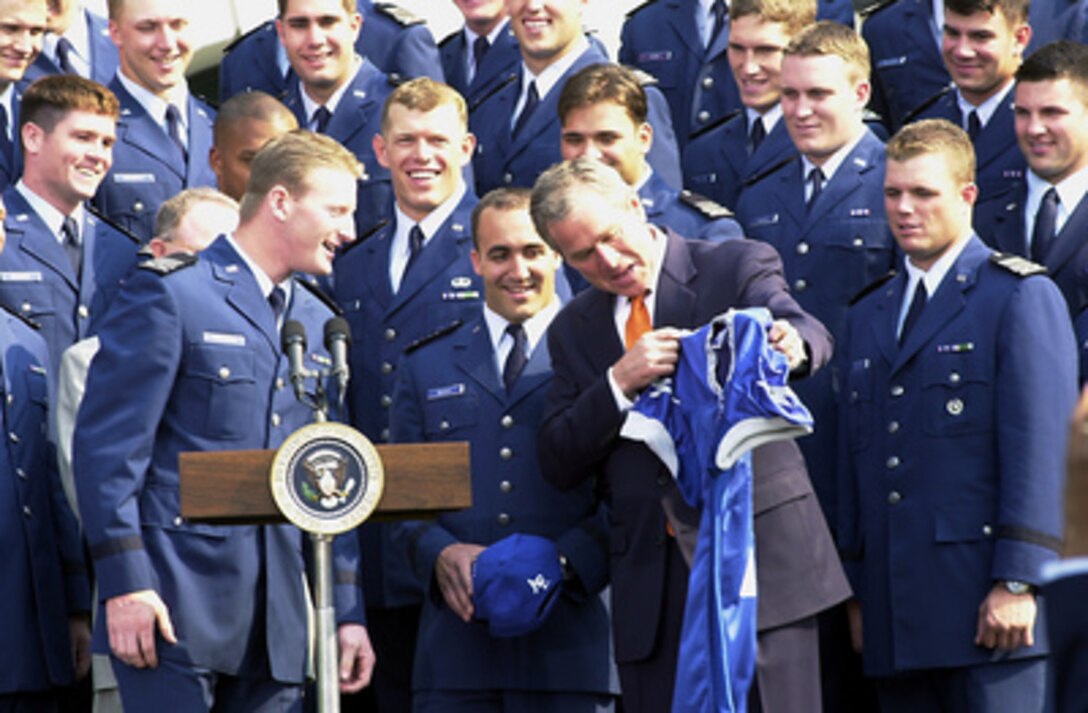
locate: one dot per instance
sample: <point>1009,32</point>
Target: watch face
<point>1017,587</point>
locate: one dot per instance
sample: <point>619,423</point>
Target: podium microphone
<point>293,341</point>
<point>337,341</point>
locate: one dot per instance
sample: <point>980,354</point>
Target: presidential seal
<point>327,478</point>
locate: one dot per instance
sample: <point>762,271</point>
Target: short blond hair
<point>935,136</point>
<point>174,210</point>
<point>832,39</point>
<point>794,14</point>
<point>425,94</point>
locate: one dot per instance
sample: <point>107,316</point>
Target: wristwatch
<point>1013,586</point>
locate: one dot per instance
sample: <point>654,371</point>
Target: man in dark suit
<point>982,44</point>
<point>722,160</point>
<point>486,383</point>
<point>198,616</point>
<point>78,42</point>
<point>1045,216</point>
<point>408,278</point>
<point>164,133</point>
<point>20,45</point>
<point>336,92</point>
<point>399,43</point>
<point>63,264</point>
<point>517,127</point>
<point>958,378</point>
<point>645,278</point>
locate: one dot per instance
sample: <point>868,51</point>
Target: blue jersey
<point>728,396</point>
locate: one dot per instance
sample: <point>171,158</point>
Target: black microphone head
<point>292,333</point>
<point>337,328</point>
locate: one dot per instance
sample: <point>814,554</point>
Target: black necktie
<point>1046,220</point>
<point>174,129</point>
<point>64,55</point>
<point>816,178</point>
<point>479,49</point>
<point>531,100</point>
<point>974,125</point>
<point>517,358</point>
<point>6,147</point>
<point>915,312</point>
<point>757,134</point>
<point>277,300</point>
<point>721,14</point>
<point>415,247</point>
<point>70,232</point>
<point>321,119</point>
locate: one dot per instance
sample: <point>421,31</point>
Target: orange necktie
<point>638,322</point>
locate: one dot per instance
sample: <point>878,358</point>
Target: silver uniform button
<point>503,519</point>
<point>987,530</point>
<point>224,372</point>
<point>280,383</point>
<point>703,116</point>
<point>83,312</point>
<point>893,427</point>
<point>508,178</point>
<point>801,285</point>
<point>138,206</point>
<point>178,521</point>
<point>505,453</point>
<point>858,243</point>
<point>387,401</point>
<point>21,473</point>
<point>27,511</point>
<point>13,437</point>
<point>802,248</point>
<point>276,419</point>
<point>894,497</point>
<point>390,334</point>
<point>708,82</point>
<point>10,398</point>
<point>444,426</point>
<point>506,486</point>
<point>897,390</point>
<point>507,421</point>
<point>384,435</point>
<point>387,368</point>
<point>893,462</point>
<point>954,407</point>
<point>954,377</point>
<point>25,307</point>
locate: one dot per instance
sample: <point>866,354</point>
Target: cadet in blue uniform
<point>1045,216</point>
<point>63,264</point>
<point>243,125</point>
<point>43,578</point>
<point>722,159</point>
<point>78,42</point>
<point>603,109</point>
<point>905,42</point>
<point>477,58</point>
<point>164,133</point>
<point>407,278</point>
<point>340,94</point>
<point>486,383</point>
<point>20,45</point>
<point>958,378</point>
<point>517,126</point>
<point>190,360</point>
<point>397,42</point>
<point>983,44</point>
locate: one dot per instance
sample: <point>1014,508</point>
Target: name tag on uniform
<point>232,340</point>
<point>134,178</point>
<point>460,295</point>
<point>655,56</point>
<point>21,276</point>
<point>891,62</point>
<point>445,392</point>
<point>765,220</point>
<point>860,212</point>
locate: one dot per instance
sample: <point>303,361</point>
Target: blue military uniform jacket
<point>191,361</point>
<point>103,59</point>
<point>397,42</point>
<point>688,214</point>
<point>998,160</point>
<point>906,60</point>
<point>830,253</point>
<point>440,289</point>
<point>718,164</point>
<point>954,450</point>
<point>354,123</point>
<point>148,169</point>
<point>37,280</point>
<point>505,160</point>
<point>1000,223</point>
<point>451,390</point>
<point>499,65</point>
<point>12,168</point>
<point>43,579</point>
<point>1068,631</point>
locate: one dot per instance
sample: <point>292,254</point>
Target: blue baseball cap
<point>515,583</point>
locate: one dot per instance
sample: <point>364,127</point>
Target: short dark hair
<point>1063,59</point>
<point>600,83</point>
<point>49,99</point>
<point>253,105</point>
<point>1014,11</point>
<point>505,199</point>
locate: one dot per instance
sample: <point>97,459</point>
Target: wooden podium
<point>233,487</point>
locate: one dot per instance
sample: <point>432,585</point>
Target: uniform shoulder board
<point>729,116</point>
<point>395,79</point>
<point>312,287</point>
<point>402,16</point>
<point>1017,265</point>
<point>872,287</point>
<point>773,168</point>
<point>119,228</point>
<point>644,78</point>
<point>169,263</point>
<point>449,38</point>
<point>507,80</point>
<point>639,8</point>
<point>913,113</point>
<point>436,334</point>
<point>21,317</point>
<point>366,234</point>
<point>873,7</point>
<point>263,27</point>
<point>706,207</point>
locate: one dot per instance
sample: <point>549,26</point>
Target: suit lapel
<point>601,345</point>
<point>376,268</point>
<point>444,248</point>
<point>138,129</point>
<point>998,136</point>
<point>537,374</point>
<point>675,305</point>
<point>1008,226</point>
<point>47,250</point>
<point>849,177</point>
<point>1071,238</point>
<point>242,291</point>
<point>790,196</point>
<point>353,112</point>
<point>682,22</point>
<point>887,318</point>
<point>476,357</point>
